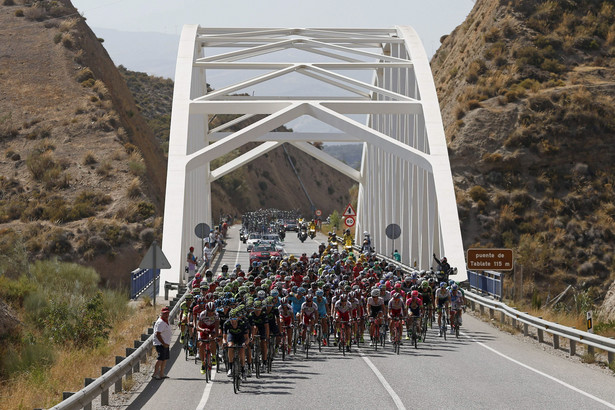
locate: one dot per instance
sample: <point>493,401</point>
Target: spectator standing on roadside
<point>191,259</point>
<point>207,255</point>
<point>162,341</point>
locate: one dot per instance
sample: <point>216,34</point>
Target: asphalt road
<point>483,369</point>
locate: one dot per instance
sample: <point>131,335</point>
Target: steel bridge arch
<point>405,176</point>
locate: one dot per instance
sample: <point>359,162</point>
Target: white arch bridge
<point>374,86</point>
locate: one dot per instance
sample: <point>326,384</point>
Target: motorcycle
<point>312,233</point>
<point>243,236</point>
<point>282,234</point>
<point>302,236</point>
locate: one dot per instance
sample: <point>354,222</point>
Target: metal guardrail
<point>573,335</point>
<point>100,386</point>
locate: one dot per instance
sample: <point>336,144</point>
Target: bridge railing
<point>125,367</point>
<point>489,282</point>
<point>141,280</point>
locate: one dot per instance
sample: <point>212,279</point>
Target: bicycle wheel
<point>319,338</point>
<point>284,347</point>
<point>207,366</point>
<point>256,359</point>
<point>236,374</point>
<point>424,333</point>
<point>444,329</point>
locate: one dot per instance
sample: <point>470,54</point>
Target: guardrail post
<point>491,313</point>
<point>502,317</point>
<point>513,321</point>
<point>590,350</point>
<point>573,346</point>
<point>104,396</point>
<point>118,383</point>
<point>86,382</point>
<point>472,305</point>
<point>611,358</point>
<point>556,342</point>
<point>135,367</point>
<point>526,330</point>
<point>541,337</point>
<point>482,309</point>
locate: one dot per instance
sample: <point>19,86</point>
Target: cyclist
<point>273,320</point>
<point>286,318</point>
<point>426,293</point>
<point>235,335</point>
<point>258,322</point>
<point>342,314</point>
<point>443,298</point>
<point>184,316</point>
<point>397,311</point>
<point>321,302</point>
<point>415,309</point>
<point>309,315</point>
<point>457,302</point>
<point>208,327</point>
<point>376,310</point>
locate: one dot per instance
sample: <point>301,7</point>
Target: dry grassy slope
<point>531,140</point>
<point>44,107</point>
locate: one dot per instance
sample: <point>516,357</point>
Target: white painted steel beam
<point>405,174</point>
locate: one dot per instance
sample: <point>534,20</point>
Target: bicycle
<point>308,340</point>
<point>455,321</point>
<point>396,332</point>
<point>415,332</point>
<point>189,346</point>
<point>236,372</point>
<point>342,345</point>
<point>284,335</point>
<point>270,352</point>
<point>318,333</point>
<point>375,332</point>
<point>443,323</point>
<point>256,355</point>
<point>424,325</point>
<point>207,358</point>
<point>383,334</point>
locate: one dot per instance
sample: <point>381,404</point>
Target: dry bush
<point>35,13</point>
<point>134,189</point>
<point>84,74</point>
<point>89,158</point>
<point>104,169</point>
<point>68,24</point>
<point>478,193</point>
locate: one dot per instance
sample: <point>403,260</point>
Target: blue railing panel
<point>489,282</point>
<point>140,279</point>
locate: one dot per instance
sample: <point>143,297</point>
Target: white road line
<point>207,391</point>
<point>384,382</point>
<point>555,379</point>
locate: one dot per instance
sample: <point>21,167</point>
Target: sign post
<point>155,259</point>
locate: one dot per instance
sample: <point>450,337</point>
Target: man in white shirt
<point>162,340</point>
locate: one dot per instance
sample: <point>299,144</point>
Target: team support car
<point>253,238</point>
<point>291,226</point>
<point>263,251</point>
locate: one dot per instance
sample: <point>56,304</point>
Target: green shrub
<point>57,38</point>
<point>146,209</point>
<point>478,193</point>
<point>136,167</point>
<point>31,357</point>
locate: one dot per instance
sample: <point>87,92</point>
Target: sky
<point>430,18</point>
<point>143,35</point>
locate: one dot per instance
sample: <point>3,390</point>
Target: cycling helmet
<point>189,296</point>
<point>343,297</point>
<point>258,304</point>
<point>308,298</point>
<point>454,287</point>
<point>396,295</point>
<point>320,292</point>
<point>284,301</point>
<point>269,301</point>
<point>398,285</point>
<point>442,284</point>
<point>196,291</point>
<point>210,306</point>
<point>225,267</point>
<point>376,293</point>
<point>415,293</point>
<point>301,290</point>
<point>275,293</point>
<point>425,284</point>
<point>204,285</point>
<point>261,294</point>
<point>209,273</point>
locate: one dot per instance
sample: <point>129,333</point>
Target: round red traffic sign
<point>349,221</point>
<point>318,212</point>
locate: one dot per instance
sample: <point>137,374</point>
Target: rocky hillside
<point>527,91</point>
<point>81,178</point>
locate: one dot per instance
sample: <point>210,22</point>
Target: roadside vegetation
<point>63,328</point>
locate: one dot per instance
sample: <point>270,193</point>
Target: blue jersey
<point>297,303</point>
<point>322,306</point>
